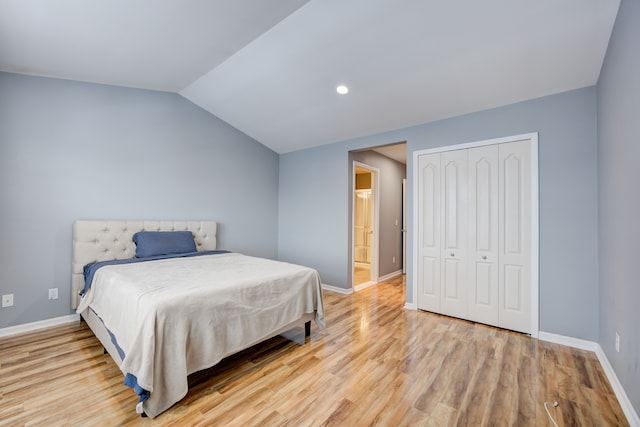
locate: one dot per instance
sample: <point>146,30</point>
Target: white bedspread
<point>174,317</point>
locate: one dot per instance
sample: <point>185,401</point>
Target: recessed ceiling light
<point>342,90</point>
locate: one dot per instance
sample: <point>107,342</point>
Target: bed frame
<point>103,240</point>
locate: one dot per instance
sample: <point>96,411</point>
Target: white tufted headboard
<point>103,240</point>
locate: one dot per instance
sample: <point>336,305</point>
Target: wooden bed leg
<point>307,329</point>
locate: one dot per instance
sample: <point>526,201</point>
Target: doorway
<point>365,226</point>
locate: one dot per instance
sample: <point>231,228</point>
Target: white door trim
<point>375,191</point>
<point>404,225</point>
<point>535,220</point>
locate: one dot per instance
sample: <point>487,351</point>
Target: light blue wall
<point>619,199</point>
<point>314,197</point>
<point>71,150</point>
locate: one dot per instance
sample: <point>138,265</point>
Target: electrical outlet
<point>7,300</point>
<point>617,342</point>
<point>53,293</point>
<point>393,260</point>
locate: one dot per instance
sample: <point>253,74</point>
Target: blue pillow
<point>152,243</point>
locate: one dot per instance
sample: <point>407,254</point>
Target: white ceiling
<point>397,152</point>
<point>150,44</point>
<point>270,68</point>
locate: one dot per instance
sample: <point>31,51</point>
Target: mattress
<point>176,316</point>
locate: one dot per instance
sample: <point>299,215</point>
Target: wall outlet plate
<point>7,300</point>
<point>53,293</point>
<point>617,342</point>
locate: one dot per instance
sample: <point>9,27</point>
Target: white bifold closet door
<point>429,250</point>
<point>474,219</point>
<point>453,240</point>
<point>514,246</point>
<point>483,234</point>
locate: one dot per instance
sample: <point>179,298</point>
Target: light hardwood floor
<point>361,274</point>
<point>374,364</point>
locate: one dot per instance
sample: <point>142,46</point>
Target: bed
<point>163,316</point>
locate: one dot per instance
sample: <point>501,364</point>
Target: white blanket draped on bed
<point>173,317</point>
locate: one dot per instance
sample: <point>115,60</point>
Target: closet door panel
<point>454,225</point>
<point>429,232</point>
<point>483,234</point>
<point>514,310</point>
<point>483,293</point>
<point>513,297</point>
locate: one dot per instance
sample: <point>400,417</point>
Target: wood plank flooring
<point>374,364</point>
<point>361,274</point>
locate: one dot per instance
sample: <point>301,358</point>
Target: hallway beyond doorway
<point>361,273</point>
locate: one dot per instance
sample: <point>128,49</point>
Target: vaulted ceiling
<point>270,68</point>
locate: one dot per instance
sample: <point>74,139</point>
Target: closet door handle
<point>452,254</point>
<point>484,257</point>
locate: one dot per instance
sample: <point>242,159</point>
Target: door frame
<point>535,218</point>
<point>375,194</point>
<point>403,230</point>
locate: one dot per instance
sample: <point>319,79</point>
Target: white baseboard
<point>410,306</point>
<point>380,279</point>
<point>390,276</point>
<point>33,326</point>
<point>336,289</point>
<point>568,341</point>
<point>623,399</point>
<point>364,285</point>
